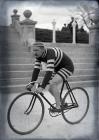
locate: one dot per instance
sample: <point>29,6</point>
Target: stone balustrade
<point>28,26</point>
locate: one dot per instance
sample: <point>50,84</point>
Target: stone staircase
<point>17,63</point>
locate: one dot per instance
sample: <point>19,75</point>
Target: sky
<point>44,11</point>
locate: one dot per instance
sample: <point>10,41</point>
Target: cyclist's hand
<point>39,90</point>
<point>29,87</point>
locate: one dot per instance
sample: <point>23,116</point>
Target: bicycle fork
<point>30,107</point>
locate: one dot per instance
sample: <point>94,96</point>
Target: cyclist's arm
<point>49,71</point>
<point>36,70</point>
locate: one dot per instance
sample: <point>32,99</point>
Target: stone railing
<point>26,28</point>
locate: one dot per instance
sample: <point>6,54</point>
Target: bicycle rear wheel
<point>75,114</point>
<point>23,117</point>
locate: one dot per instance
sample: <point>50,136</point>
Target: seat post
<point>71,93</point>
<point>67,85</point>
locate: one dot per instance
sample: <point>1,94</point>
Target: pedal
<point>54,114</point>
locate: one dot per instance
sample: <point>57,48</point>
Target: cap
<point>38,44</point>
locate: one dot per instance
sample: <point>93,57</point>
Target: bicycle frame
<point>34,101</point>
<point>72,97</point>
<point>73,100</point>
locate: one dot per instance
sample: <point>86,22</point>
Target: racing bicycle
<point>26,111</point>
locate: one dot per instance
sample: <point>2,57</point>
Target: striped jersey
<point>55,59</point>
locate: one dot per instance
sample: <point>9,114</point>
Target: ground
<point>57,128</point>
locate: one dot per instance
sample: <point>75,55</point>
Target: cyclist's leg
<point>63,73</point>
<point>53,88</point>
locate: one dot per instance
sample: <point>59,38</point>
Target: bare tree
<point>86,12</point>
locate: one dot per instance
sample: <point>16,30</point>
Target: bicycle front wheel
<point>75,114</point>
<point>25,113</point>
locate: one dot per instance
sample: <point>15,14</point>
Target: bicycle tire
<point>13,104</point>
<point>67,117</point>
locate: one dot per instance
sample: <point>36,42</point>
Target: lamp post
<point>74,32</point>
<point>54,33</point>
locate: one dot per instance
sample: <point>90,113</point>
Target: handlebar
<point>37,84</point>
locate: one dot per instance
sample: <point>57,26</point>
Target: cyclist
<point>59,66</point>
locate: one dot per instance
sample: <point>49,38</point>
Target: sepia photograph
<point>49,70</point>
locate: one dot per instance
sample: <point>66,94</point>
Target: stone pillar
<point>94,29</point>
<point>28,27</point>
<point>54,33</point>
<point>94,41</point>
<point>15,17</point>
<point>74,32</point>
<point>94,35</point>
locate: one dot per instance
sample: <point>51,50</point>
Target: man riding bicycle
<point>59,67</point>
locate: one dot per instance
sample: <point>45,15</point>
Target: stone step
<point>21,88</point>
<point>30,60</point>
<point>75,78</point>
<point>17,54</point>
<point>23,74</point>
<point>85,65</point>
<point>29,67</point>
<point>85,72</point>
<point>86,55</point>
<point>15,74</point>
<point>17,61</point>
<point>17,67</point>
<point>26,53</point>
<point>17,45</point>
<point>78,49</point>
<point>67,47</point>
<point>84,60</point>
<point>90,83</point>
<point>19,81</point>
<point>14,45</point>
<point>15,81</point>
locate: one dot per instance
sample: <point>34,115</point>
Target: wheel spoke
<point>23,115</point>
<point>76,112</point>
